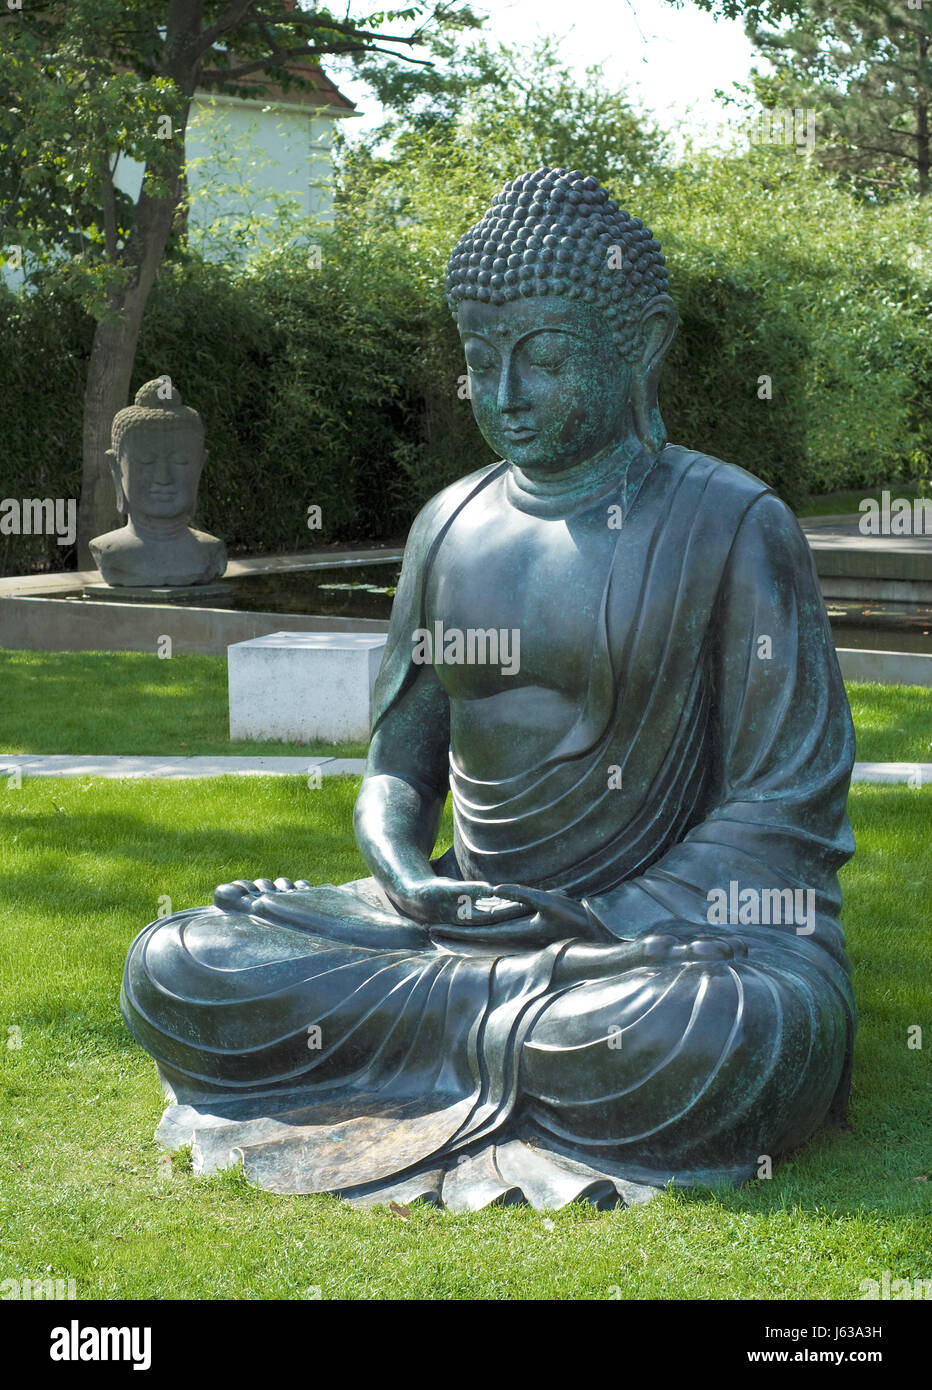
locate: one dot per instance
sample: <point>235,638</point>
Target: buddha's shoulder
<point>206,541</point>
<point>725,486</point>
<point>740,503</point>
<point>442,506</point>
<point>122,538</point>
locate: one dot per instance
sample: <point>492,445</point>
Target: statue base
<point>218,595</point>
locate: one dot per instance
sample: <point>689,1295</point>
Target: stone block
<point>299,686</point>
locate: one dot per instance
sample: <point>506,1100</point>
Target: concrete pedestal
<point>299,686</point>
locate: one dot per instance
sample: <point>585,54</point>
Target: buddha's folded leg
<point>227,1002</point>
<point>681,1068</point>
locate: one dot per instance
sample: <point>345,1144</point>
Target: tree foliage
<point>865,68</point>
<point>89,82</point>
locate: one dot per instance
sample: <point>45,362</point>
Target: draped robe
<point>334,1047</point>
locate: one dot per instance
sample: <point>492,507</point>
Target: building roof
<point>320,92</point>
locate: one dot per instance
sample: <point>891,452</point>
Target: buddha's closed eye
<point>547,362</point>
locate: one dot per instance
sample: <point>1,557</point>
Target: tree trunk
<point>923,140</point>
<point>113,351</point>
<point>109,372</point>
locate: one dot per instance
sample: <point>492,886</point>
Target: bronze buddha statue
<point>551,1009</point>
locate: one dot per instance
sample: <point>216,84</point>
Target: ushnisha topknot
<point>553,232</point>
<point>157,403</point>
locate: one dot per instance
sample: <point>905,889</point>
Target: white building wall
<point>250,169</point>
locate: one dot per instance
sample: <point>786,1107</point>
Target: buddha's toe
<point>237,896</point>
<point>241,894</point>
<point>658,946</point>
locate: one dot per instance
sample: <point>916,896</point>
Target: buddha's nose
<point>510,394</point>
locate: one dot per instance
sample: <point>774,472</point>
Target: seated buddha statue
<point>612,654</point>
<point>156,458</point>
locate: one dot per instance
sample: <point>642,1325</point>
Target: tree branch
<point>233,15</point>
<point>284,55</point>
<point>311,20</point>
<point>880,149</point>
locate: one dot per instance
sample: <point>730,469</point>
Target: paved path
<point>843,552</point>
<point>844,532</point>
<point>108,765</point>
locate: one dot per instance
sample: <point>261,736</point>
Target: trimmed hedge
<point>339,386</point>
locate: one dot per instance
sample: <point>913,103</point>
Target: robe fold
<point>337,1047</point>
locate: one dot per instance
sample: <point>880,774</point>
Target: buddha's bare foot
<point>240,895</point>
<point>688,945</point>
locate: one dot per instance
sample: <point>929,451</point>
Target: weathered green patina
<point>614,655</point>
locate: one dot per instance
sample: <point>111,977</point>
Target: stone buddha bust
<point>156,460</point>
<point>613,655</point>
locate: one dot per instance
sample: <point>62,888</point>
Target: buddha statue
<point>628,969</point>
<point>156,459</point>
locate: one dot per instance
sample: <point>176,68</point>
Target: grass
<point>893,723</point>
<point>83,1195</point>
<point>127,702</point>
<point>844,503</point>
<point>93,702</point>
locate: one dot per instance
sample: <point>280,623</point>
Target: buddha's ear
<point>657,328</point>
<point>111,456</point>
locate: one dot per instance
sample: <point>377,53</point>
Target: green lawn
<point>844,503</point>
<point>82,1193</point>
<point>893,722</point>
<point>126,702</point>
<point>133,703</point>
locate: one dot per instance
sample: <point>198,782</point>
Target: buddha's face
<point>548,387</point>
<point>159,471</point>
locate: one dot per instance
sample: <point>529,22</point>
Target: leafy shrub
<point>341,386</point>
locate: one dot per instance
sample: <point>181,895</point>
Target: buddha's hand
<point>452,900</point>
<point>555,916</point>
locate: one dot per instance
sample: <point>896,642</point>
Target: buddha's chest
<point>525,594</point>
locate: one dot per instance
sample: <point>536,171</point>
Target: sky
<point>671,59</point>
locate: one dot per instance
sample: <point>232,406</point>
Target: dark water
<point>366,591</point>
<point>881,626</point>
<point>341,592</point>
<point>348,592</point>
<point>881,639</point>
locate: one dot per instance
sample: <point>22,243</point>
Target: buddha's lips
<point>519,435</point>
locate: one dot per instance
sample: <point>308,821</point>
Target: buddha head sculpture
<point>156,460</point>
<point>561,301</point>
